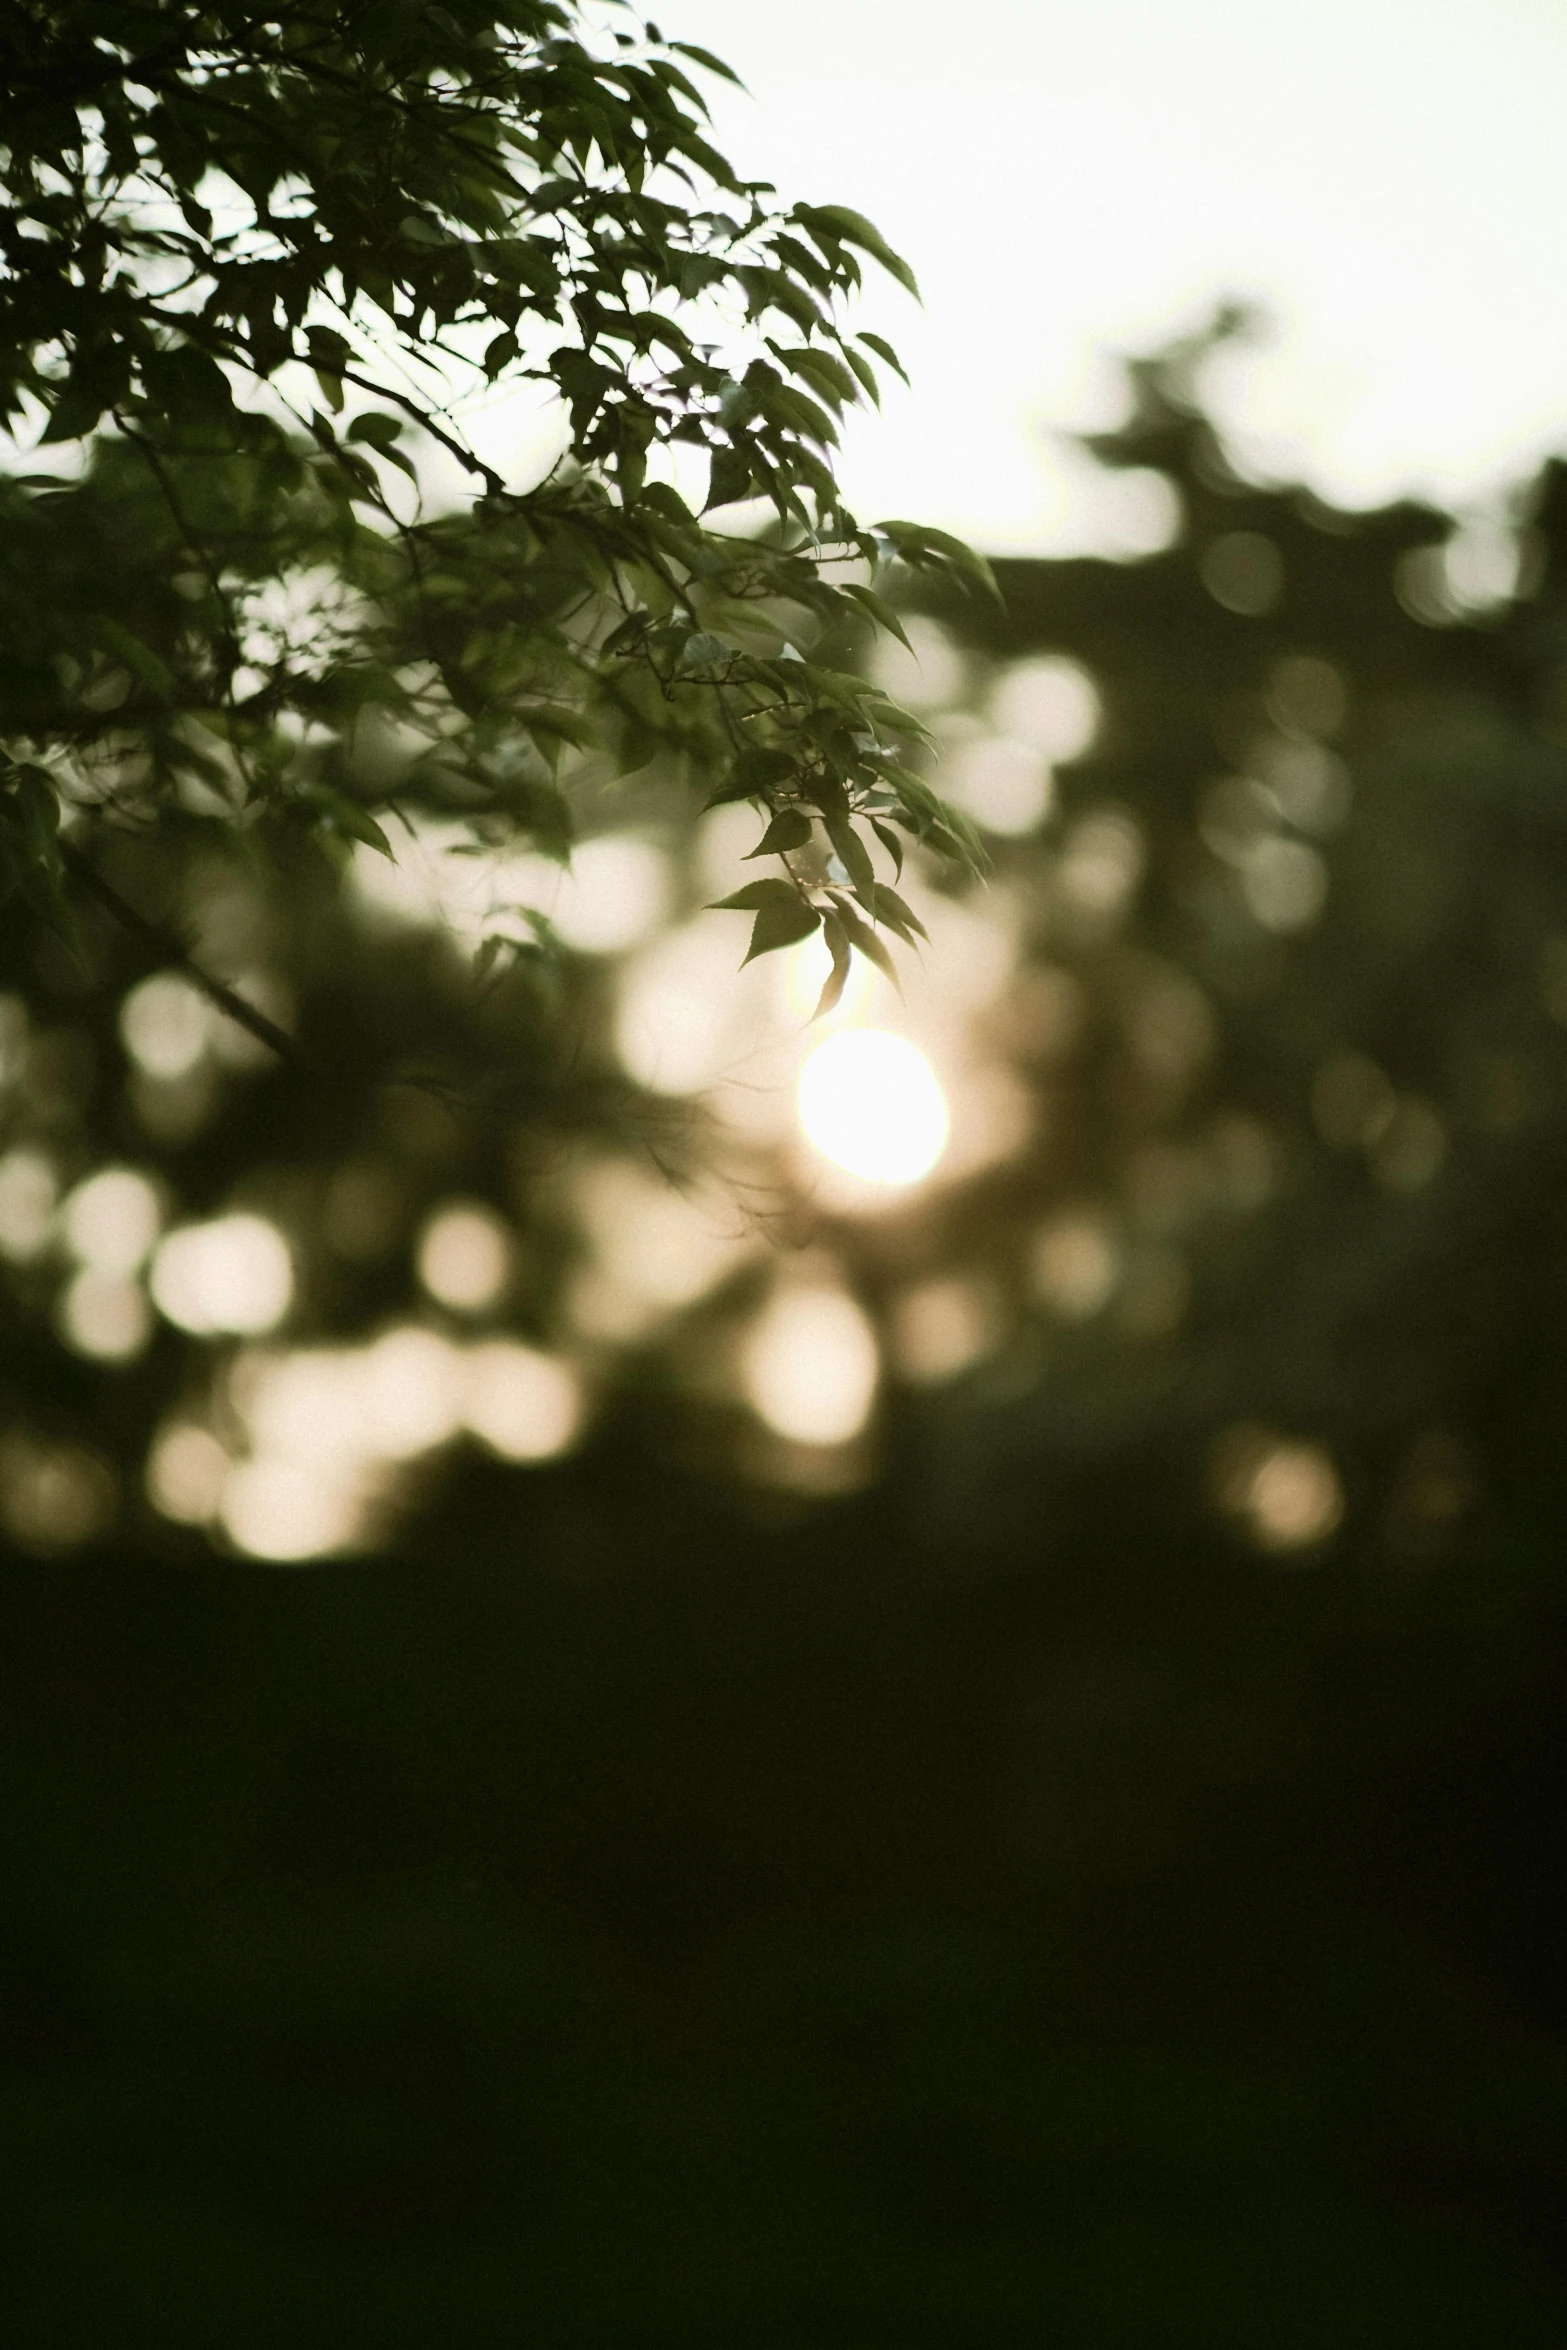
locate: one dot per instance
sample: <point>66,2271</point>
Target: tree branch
<point>172,949</point>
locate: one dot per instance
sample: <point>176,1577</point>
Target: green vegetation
<point>269,270</point>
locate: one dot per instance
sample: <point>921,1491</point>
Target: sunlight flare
<point>870,1103</point>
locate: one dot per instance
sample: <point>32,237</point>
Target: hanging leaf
<point>884,351</point>
<point>729,476</point>
<point>842,957</point>
<point>835,224</point>
<point>755,894</point>
<point>927,549</point>
<point>880,611</point>
<point>789,829</point>
<point>891,843</point>
<point>706,59</point>
<point>853,855</point>
<point>898,916</point>
<point>345,815</point>
<point>781,926</point>
<point>863,937</point>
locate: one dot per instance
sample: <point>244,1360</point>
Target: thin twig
<point>172,949</point>
<point>422,416</point>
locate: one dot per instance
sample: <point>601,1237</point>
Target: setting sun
<point>870,1102</point>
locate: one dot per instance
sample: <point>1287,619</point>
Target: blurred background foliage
<point>616,1727</point>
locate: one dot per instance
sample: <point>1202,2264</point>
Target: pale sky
<point>1073,177</point>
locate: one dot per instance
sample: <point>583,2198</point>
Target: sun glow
<point>871,1104</point>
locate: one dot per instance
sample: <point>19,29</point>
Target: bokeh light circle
<point>870,1102</point>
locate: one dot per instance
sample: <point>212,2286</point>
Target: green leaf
<point>866,374</point>
<point>705,58</point>
<point>865,939</point>
<point>75,412</point>
<point>829,375</point>
<point>796,412</point>
<point>842,956</point>
<point>898,916</point>
<point>137,657</point>
<point>524,260</point>
<point>853,855</point>
<point>553,722</point>
<point>880,611</point>
<point>836,222</point>
<point>756,894</point>
<point>381,433</point>
<point>789,829</point>
<point>763,766</point>
<point>826,792</point>
<point>346,815</point>
<point>190,387</point>
<point>880,709</point>
<point>554,195</point>
<point>729,477</point>
<point>754,772</point>
<point>884,351</point>
<point>403,462</point>
<point>891,843</point>
<point>781,926</point>
<point>928,549</point>
<point>665,499</point>
<point>956,850</point>
<point>704,650</point>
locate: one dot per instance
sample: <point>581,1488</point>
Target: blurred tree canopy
<point>1254,1042</point>
<point>1309,1081</point>
<point>262,273</point>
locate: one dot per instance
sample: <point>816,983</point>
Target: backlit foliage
<point>267,279</point>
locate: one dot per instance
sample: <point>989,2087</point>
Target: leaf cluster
<point>270,267</point>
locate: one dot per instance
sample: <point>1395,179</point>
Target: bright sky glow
<point>1074,177</point>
